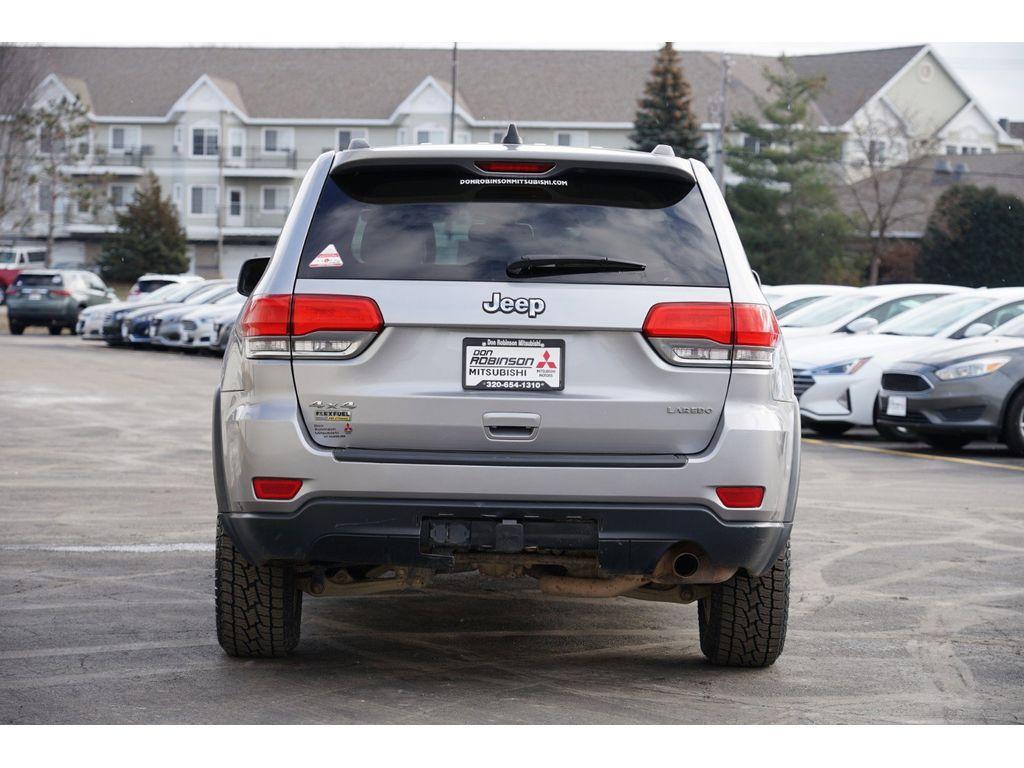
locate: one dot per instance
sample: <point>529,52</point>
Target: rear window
<point>37,280</point>
<point>148,286</point>
<point>449,223</point>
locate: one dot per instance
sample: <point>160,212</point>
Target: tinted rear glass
<point>36,280</point>
<point>442,223</point>
<point>148,286</point>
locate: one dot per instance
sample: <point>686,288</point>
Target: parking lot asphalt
<point>907,605</point>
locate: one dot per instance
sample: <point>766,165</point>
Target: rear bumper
<point>630,538</point>
<point>24,312</point>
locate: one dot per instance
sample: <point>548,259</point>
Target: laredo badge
<point>328,257</point>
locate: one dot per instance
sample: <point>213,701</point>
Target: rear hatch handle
<point>511,426</point>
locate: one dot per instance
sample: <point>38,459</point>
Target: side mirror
<point>977,329</point>
<point>250,274</point>
<point>862,325</point>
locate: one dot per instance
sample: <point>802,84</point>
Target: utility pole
<point>455,91</point>
<point>723,117</point>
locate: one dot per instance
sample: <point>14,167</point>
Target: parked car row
<point>192,314</point>
<point>943,364</point>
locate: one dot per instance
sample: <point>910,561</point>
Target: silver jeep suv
<point>519,360</point>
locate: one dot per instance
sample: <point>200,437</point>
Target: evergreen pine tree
<point>785,208</point>
<point>974,237</point>
<point>664,114</point>
<point>149,238</point>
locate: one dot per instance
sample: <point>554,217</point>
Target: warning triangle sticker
<point>328,257</point>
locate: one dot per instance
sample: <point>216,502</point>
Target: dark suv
<point>53,298</point>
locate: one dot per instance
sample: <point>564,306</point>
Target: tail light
<point>276,488</point>
<point>504,166</point>
<point>12,289</point>
<point>714,334</point>
<point>740,496</point>
<point>59,292</point>
<point>309,325</point>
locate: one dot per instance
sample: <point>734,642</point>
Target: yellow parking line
<point>913,454</point>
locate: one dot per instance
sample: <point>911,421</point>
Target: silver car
<point>519,360</point>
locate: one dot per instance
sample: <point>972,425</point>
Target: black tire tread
<point>258,608</point>
<point>743,621</point>
<point>1014,439</point>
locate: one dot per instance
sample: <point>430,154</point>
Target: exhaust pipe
<point>685,565</point>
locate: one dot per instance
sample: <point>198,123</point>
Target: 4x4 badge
<point>507,305</point>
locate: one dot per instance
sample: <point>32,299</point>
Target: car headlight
<point>980,366</point>
<point>844,368</point>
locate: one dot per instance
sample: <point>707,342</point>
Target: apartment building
<point>229,132</point>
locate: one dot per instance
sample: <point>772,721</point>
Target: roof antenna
<point>512,137</point>
<point>359,143</point>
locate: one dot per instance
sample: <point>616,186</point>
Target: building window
<point>986,150</point>
<point>275,199</point>
<point>571,139</point>
<point>45,202</point>
<point>235,202</point>
<point>50,144</point>
<point>278,139</point>
<point>497,136</point>
<point>950,149</point>
<point>430,135</point>
<point>205,142</point>
<point>121,195</point>
<point>236,144</point>
<point>203,201</point>
<point>876,152</point>
<point>752,145</point>
<point>123,138</point>
<point>463,137</point>
<point>968,150</point>
<point>345,136</point>
<point>177,194</point>
<point>179,138</point>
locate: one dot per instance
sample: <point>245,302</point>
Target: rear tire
<point>1013,430</point>
<point>743,622</point>
<point>17,329</point>
<point>258,608</point>
<point>830,428</point>
<point>946,442</point>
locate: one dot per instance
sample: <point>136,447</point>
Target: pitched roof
<point>931,176</point>
<point>369,83</point>
<point>852,77</point>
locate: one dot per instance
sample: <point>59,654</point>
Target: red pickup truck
<point>13,259</point>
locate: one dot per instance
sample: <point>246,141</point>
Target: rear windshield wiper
<point>539,265</point>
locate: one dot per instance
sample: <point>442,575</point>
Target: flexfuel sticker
<point>328,257</point>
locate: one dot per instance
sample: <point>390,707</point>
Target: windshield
<point>829,310</point>
<point>210,293</point>
<point>7,257</point>
<point>232,298</point>
<point>929,319</point>
<point>788,308</point>
<point>1014,328</point>
<point>150,286</point>
<point>445,222</point>
<point>166,293</point>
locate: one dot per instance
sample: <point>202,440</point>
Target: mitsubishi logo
<point>546,362</point>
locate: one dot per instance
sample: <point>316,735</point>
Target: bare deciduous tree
<point>18,78</point>
<point>61,127</point>
<point>883,180</point>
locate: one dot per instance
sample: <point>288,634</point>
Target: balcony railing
<point>252,216</point>
<point>145,157</point>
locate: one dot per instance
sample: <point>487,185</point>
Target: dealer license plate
<point>511,364</point>
<point>897,406</point>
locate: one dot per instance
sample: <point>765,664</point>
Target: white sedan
<point>837,378</point>
<point>862,310</point>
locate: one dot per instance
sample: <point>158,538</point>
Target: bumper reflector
<point>276,488</point>
<point>740,496</point>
